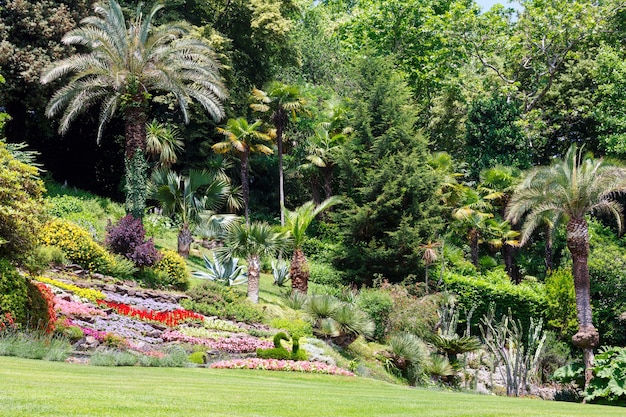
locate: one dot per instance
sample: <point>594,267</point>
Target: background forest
<point>421,116</point>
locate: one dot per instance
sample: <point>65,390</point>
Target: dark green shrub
<point>479,292</point>
<point>325,274</point>
<point>378,304</point>
<point>13,292</point>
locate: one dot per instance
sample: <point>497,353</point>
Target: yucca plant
<point>280,272</point>
<point>226,271</point>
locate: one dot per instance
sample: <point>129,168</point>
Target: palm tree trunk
<point>245,184</point>
<point>281,187</point>
<point>315,189</point>
<point>135,163</point>
<point>299,272</point>
<point>184,241</point>
<point>328,177</point>
<point>426,278</point>
<point>549,253</point>
<point>254,267</point>
<point>473,238</point>
<point>508,253</point>
<point>587,337</point>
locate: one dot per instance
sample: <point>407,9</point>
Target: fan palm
<point>124,65</point>
<point>571,189</point>
<point>472,215</point>
<point>322,150</point>
<point>163,141</point>
<point>252,241</point>
<point>297,223</point>
<point>279,101</point>
<point>244,139</point>
<point>190,198</point>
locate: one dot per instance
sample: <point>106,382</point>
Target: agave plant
<point>226,271</point>
<point>280,271</point>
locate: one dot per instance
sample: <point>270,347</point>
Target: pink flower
<point>281,365</point>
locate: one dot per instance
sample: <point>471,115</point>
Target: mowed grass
<point>37,388</point>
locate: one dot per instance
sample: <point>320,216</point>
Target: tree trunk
<point>254,267</point>
<point>184,241</point>
<point>328,177</point>
<point>426,278</point>
<point>512,270</point>
<point>549,253</point>
<point>587,337</point>
<point>299,272</point>
<point>473,238</point>
<point>315,189</point>
<point>245,184</point>
<point>135,163</point>
<point>281,188</point>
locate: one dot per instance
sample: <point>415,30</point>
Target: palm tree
<point>322,150</point>
<point>163,141</point>
<point>297,222</point>
<point>125,64</point>
<point>429,256</point>
<point>570,189</point>
<point>252,241</point>
<point>244,139</point>
<point>504,238</point>
<point>472,215</point>
<point>280,100</point>
<point>191,198</point>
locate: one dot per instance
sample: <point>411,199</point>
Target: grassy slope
<point>36,388</point>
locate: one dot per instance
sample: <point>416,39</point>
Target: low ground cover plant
<point>281,365</point>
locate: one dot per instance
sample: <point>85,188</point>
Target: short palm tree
<point>124,65</point>
<point>569,190</point>
<point>323,149</point>
<point>244,139</point>
<point>253,241</point>
<point>472,215</point>
<point>189,198</point>
<point>279,101</point>
<point>297,223</point>
<point>163,141</point>
<point>429,256</point>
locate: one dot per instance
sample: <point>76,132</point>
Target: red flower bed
<point>48,296</point>
<point>169,318</point>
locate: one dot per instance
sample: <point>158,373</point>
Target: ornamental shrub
<point>378,304</point>
<point>77,244</point>
<point>213,299</point>
<point>609,374</point>
<point>480,291</point>
<point>22,208</point>
<point>175,269</point>
<point>13,292</point>
<point>127,238</point>
<point>561,300</point>
<point>40,306</point>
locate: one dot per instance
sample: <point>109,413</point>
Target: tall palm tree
<point>571,189</point>
<point>279,101</point>
<point>297,223</point>
<point>244,139</point>
<point>190,198</point>
<point>253,241</point>
<point>125,64</point>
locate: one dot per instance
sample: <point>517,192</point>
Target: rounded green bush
<point>13,292</point>
<point>175,269</point>
<point>199,358</point>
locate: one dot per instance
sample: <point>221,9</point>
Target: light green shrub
<point>13,292</point>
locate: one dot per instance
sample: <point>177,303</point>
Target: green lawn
<point>36,388</point>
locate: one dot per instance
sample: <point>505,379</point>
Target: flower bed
<point>144,303</point>
<point>74,309</point>
<point>281,365</point>
<point>88,293</point>
<point>169,318</point>
<point>230,344</point>
<point>123,326</point>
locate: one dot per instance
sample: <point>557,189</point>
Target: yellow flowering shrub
<point>77,244</point>
<point>173,265</point>
<point>88,293</point>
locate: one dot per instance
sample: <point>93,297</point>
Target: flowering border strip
<point>169,318</point>
<point>282,365</point>
<point>223,344</point>
<point>88,293</point>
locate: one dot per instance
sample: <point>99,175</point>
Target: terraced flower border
<point>282,365</point>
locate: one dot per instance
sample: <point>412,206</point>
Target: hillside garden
<point>294,192</point>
